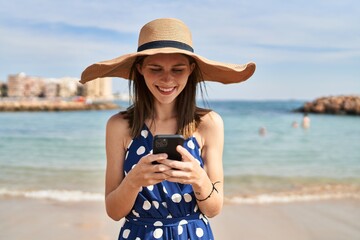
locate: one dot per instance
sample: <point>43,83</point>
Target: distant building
<point>15,85</point>
<point>100,88</point>
<point>20,86</point>
<point>68,87</point>
<point>51,89</point>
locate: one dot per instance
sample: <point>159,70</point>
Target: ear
<point>192,67</point>
<point>138,67</point>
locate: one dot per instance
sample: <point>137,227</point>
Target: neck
<point>165,121</point>
<point>164,112</point>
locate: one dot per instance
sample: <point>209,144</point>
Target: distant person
<point>169,199</point>
<point>295,124</point>
<point>306,121</point>
<point>262,131</point>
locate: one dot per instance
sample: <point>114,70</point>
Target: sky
<point>303,49</point>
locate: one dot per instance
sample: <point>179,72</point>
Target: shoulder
<point>118,120</point>
<point>210,120</point>
<point>117,128</point>
<point>211,126</point>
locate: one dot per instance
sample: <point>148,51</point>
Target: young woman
<point>161,198</point>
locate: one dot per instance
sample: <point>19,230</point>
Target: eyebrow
<point>156,65</point>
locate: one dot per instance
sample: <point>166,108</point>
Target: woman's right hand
<point>147,171</point>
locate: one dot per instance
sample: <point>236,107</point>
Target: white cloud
<point>73,34</point>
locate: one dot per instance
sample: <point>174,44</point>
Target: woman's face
<point>166,75</point>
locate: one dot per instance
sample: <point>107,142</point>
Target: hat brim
<point>211,70</point>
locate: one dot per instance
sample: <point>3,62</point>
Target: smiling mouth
<point>166,90</point>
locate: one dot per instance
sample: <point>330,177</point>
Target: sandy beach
<point>44,219</point>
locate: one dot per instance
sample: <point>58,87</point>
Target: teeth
<point>166,89</point>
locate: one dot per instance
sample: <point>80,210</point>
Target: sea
<point>60,156</point>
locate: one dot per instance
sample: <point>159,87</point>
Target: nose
<point>167,77</point>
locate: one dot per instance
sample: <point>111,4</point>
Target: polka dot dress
<point>166,210</point>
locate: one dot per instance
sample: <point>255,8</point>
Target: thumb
<point>186,156</point>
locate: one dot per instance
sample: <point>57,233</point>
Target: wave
<point>56,195</point>
<point>299,195</point>
<point>267,198</point>
<point>306,194</point>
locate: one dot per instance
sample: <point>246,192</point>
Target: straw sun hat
<point>168,35</point>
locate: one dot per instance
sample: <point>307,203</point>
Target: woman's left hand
<point>187,171</point>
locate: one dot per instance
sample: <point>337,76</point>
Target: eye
<point>178,70</point>
<point>155,70</point>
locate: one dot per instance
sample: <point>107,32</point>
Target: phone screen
<point>167,144</point>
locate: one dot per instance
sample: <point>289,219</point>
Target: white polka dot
<point>198,161</point>
<point>156,204</point>
<point>158,233</point>
<point>164,189</point>
<point>144,133</point>
<point>146,205</point>
<point>158,224</point>
<point>169,216</point>
<point>137,238</point>
<point>164,204</point>
<point>183,222</point>
<point>196,208</point>
<point>203,217</point>
<point>199,232</point>
<point>187,197</point>
<point>127,154</point>
<point>176,198</point>
<point>126,233</point>
<point>133,166</point>
<point>151,187</point>
<point>180,230</point>
<point>191,144</point>
<point>135,213</point>
<point>140,150</point>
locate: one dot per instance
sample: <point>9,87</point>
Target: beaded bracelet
<point>212,190</point>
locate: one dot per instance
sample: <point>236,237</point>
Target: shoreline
<point>44,219</point>
<point>304,194</point>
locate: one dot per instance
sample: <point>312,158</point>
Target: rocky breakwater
<point>342,105</point>
<point>32,106</point>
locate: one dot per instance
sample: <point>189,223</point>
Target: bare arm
<point>188,171</point>
<point>121,191</point>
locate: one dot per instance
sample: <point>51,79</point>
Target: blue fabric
<point>166,210</point>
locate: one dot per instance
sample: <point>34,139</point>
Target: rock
<point>48,105</point>
<point>349,105</point>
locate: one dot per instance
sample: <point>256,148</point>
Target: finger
<point>178,165</point>
<point>159,176</point>
<point>186,156</point>
<point>159,168</point>
<point>179,174</point>
<point>156,157</point>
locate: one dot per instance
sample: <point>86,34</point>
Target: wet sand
<point>22,218</point>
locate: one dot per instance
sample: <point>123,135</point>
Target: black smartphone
<point>167,144</point>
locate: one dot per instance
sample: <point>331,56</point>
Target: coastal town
<point>31,93</point>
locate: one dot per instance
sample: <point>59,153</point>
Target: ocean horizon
<point>61,155</point>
